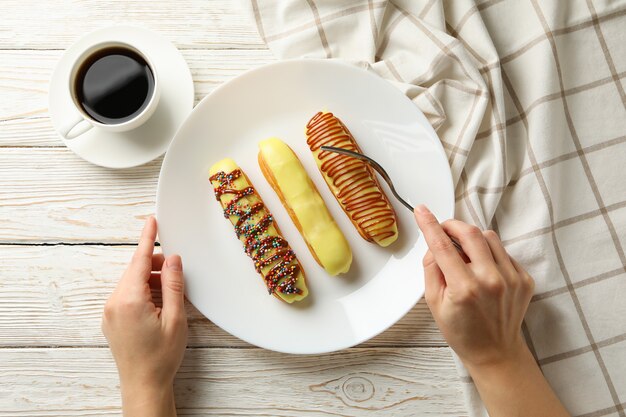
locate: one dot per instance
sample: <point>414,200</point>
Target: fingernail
<point>422,209</point>
<point>149,220</point>
<point>175,263</point>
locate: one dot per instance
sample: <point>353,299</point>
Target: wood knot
<point>358,389</point>
<point>372,391</point>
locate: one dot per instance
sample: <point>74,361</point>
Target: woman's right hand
<point>478,305</point>
<point>479,301</point>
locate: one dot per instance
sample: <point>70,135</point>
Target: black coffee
<point>114,85</point>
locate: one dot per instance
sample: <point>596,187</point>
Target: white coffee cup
<point>79,121</point>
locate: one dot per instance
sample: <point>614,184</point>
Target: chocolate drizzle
<point>369,210</point>
<point>264,250</point>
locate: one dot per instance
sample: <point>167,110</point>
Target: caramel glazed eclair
<point>352,181</point>
<point>256,229</point>
<point>285,173</point>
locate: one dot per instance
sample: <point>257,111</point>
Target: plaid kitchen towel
<point>528,99</point>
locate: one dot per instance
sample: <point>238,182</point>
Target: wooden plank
<point>24,78</point>
<point>53,296</point>
<point>51,195</point>
<point>241,382</point>
<point>32,24</point>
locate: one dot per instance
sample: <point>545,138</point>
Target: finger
<point>444,252</point>
<point>173,289</point>
<point>519,268</point>
<point>528,282</point>
<point>157,261</point>
<point>145,247</point>
<point>472,240</point>
<point>433,280</point>
<point>141,263</point>
<point>497,250</point>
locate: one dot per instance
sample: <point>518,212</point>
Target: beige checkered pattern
<point>528,99</point>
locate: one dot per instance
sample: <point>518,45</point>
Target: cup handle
<point>75,128</point>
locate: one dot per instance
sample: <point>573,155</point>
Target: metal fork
<point>385,176</point>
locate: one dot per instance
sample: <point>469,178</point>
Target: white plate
<point>278,100</point>
<point>150,140</point>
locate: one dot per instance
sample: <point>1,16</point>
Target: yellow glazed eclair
<point>352,181</point>
<point>285,173</point>
<point>259,233</point>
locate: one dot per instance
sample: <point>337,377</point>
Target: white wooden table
<point>67,229</point>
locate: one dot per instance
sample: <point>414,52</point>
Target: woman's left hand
<point>147,341</point>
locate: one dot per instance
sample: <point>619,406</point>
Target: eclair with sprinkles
<point>352,181</point>
<point>285,173</point>
<point>257,230</point>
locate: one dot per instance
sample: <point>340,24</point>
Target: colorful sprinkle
<point>265,251</point>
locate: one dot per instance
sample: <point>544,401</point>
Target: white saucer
<point>149,141</point>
